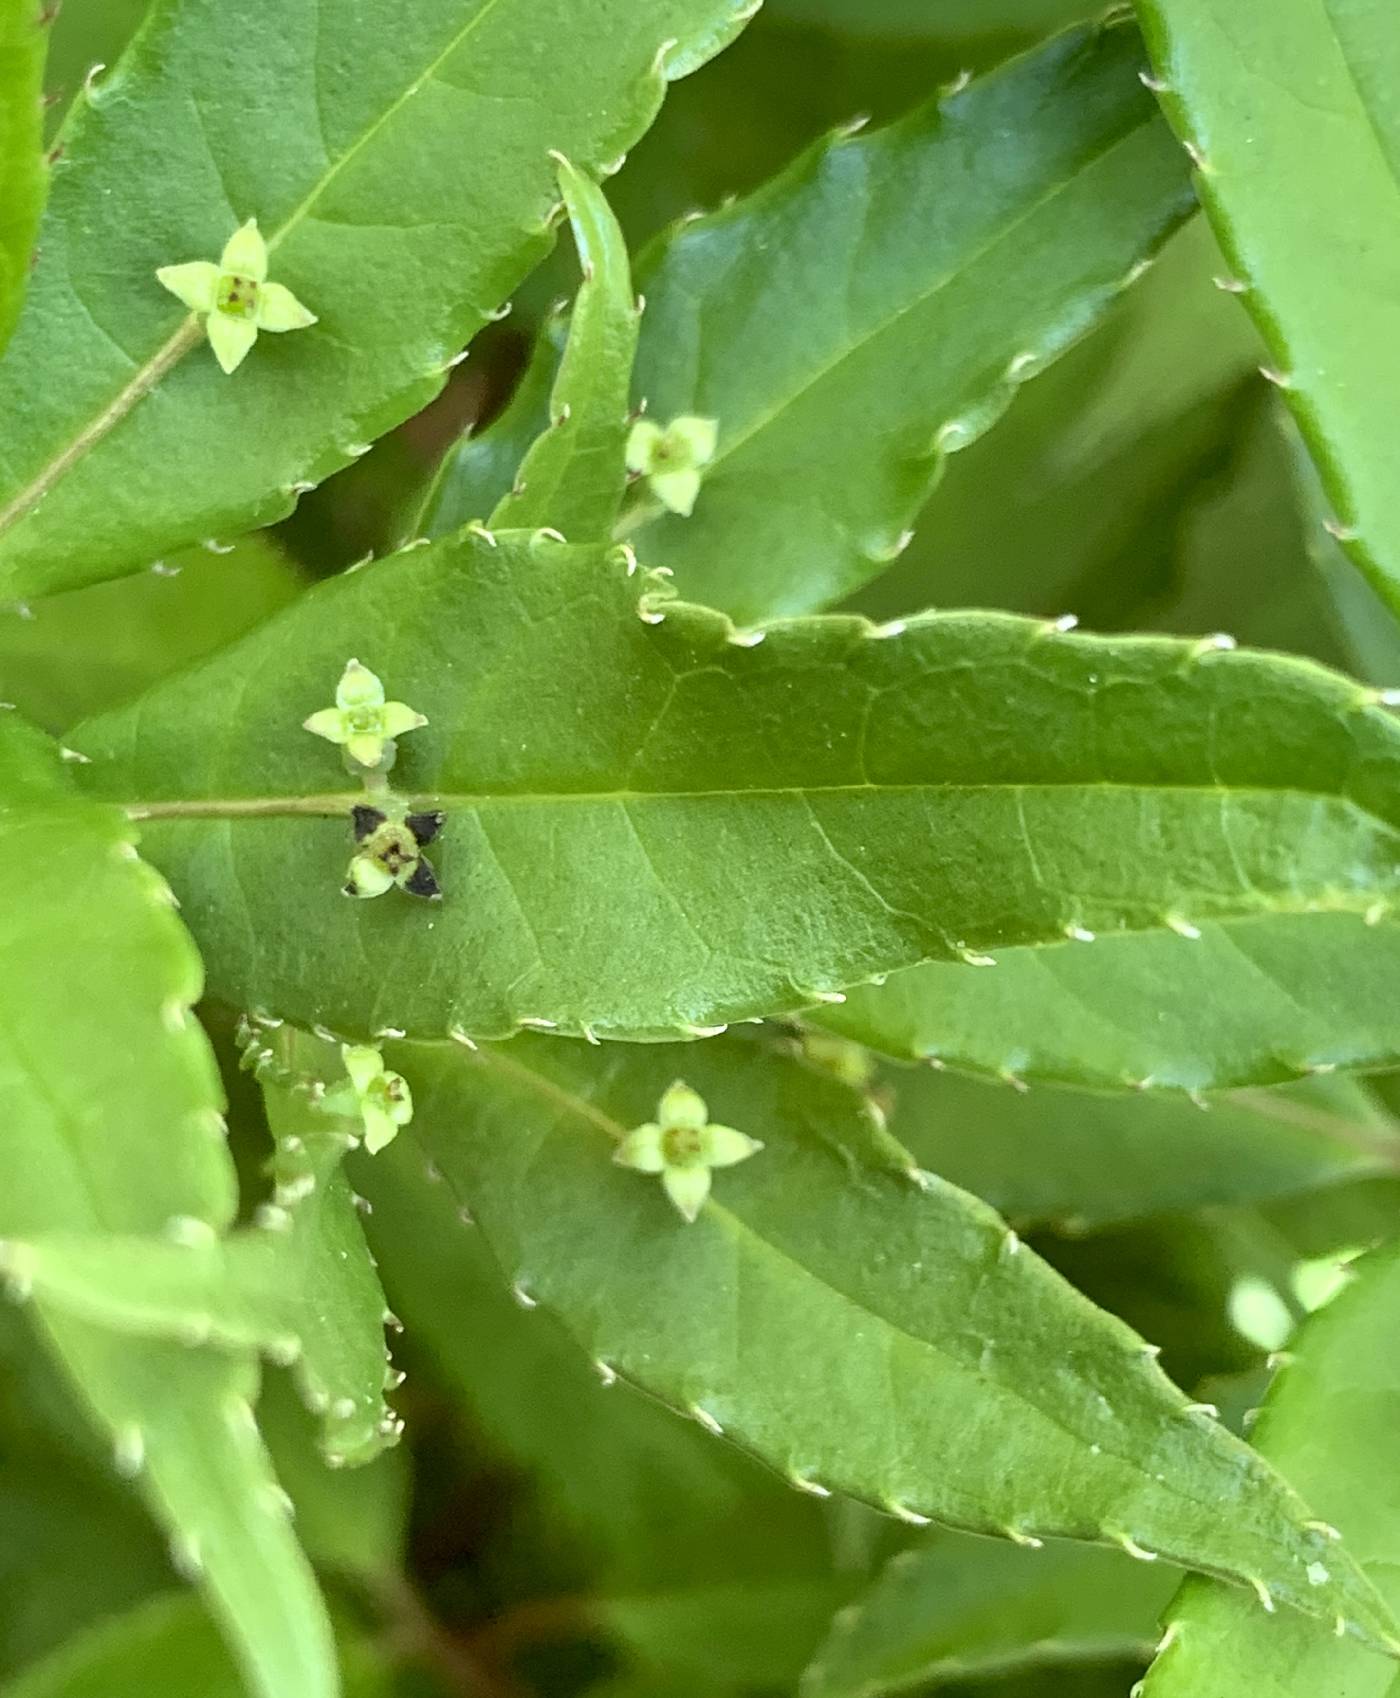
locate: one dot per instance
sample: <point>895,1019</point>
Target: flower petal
<point>358,687</point>
<point>367,748</point>
<point>722,1146</point>
<point>363,1063</point>
<point>279,309</point>
<point>677,491</point>
<point>642,445</point>
<point>245,253</point>
<point>367,878</point>
<point>230,338</point>
<point>680,1106</point>
<point>399,717</point>
<point>699,437</point>
<point>328,723</point>
<point>687,1187</point>
<point>641,1150</point>
<point>380,1128</point>
<point>194,284</point>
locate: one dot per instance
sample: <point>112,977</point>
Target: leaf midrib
<point>188,335</point>
<point>339,803</point>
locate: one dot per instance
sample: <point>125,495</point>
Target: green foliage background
<point>1046,1347</point>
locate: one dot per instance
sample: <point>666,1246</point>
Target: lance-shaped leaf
<point>862,1327</point>
<point>1329,1422</point>
<point>1279,102</point>
<point>693,1551</point>
<point>113,1125</point>
<point>876,307</point>
<point>1253,1002</point>
<point>298,1285</point>
<point>168,1638</point>
<point>660,823</point>
<point>573,477</point>
<point>446,119</point>
<point>23,179</point>
<point>954,1609</point>
<point>1082,1162</point>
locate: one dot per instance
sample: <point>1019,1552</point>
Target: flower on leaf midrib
<point>361,721</point>
<point>682,1148</point>
<point>234,298</point>
<point>672,458</point>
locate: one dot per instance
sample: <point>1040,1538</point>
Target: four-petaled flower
<point>671,459</point>
<point>361,719</point>
<point>682,1146</point>
<point>381,1100</point>
<point>234,297</point>
<point>391,852</point>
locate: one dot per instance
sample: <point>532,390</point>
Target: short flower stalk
<point>683,1148</point>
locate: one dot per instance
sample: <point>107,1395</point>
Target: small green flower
<point>361,719</point>
<point>671,459</point>
<point>683,1147</point>
<point>234,297</point>
<point>390,851</point>
<point>381,1100</point>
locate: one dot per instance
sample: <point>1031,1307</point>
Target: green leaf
<point>167,1639</point>
<point>353,1522</point>
<point>1329,1423</point>
<point>958,1608</point>
<point>573,477</point>
<point>447,120</point>
<point>299,1284</point>
<point>621,814</point>
<point>1079,1162</point>
<point>78,654</point>
<point>113,1126</point>
<point>478,473</point>
<point>687,1550</point>
<point>1280,101</point>
<point>1254,1002</point>
<point>945,1373</point>
<point>23,178</point>
<point>838,353</point>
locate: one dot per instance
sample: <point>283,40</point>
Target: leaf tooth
<point>805,1483</point>
<point>698,1412</point>
<point>186,1555</point>
<point>1028,1541</point>
<point>521,1293</point>
<point>903,1512</point>
<point>129,1450</point>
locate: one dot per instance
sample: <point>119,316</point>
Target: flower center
<point>237,296</point>
<point>363,719</point>
<point>683,1146</point>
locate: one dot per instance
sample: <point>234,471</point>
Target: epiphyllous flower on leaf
<point>361,720</point>
<point>390,852</point>
<point>683,1148</point>
<point>672,458</point>
<point>381,1100</point>
<point>234,297</point>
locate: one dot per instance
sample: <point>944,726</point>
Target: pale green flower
<point>361,720</point>
<point>671,459</point>
<point>234,297</point>
<point>381,1100</point>
<point>683,1147</point>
